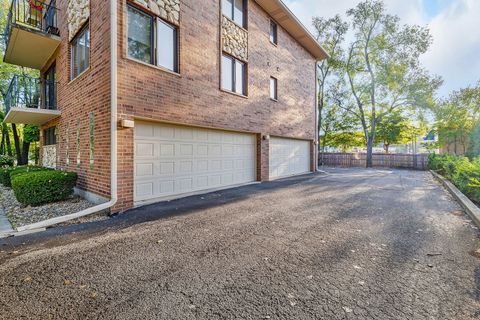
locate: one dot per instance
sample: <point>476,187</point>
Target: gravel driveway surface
<point>352,244</point>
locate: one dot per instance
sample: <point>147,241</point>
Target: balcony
<point>32,35</point>
<point>31,101</point>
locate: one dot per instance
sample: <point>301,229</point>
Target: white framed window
<point>152,40</point>
<point>80,52</point>
<point>273,88</point>
<point>233,75</point>
<point>235,11</point>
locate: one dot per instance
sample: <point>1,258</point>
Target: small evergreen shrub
<point>6,161</point>
<point>46,186</point>
<point>6,174</point>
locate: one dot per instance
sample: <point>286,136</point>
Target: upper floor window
<point>80,52</point>
<point>273,32</point>
<point>49,88</point>
<point>152,40</point>
<point>233,75</point>
<point>273,88</point>
<point>235,10</point>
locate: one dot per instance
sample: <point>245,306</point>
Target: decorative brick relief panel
<point>49,156</point>
<point>78,14</point>
<point>165,9</point>
<point>234,40</point>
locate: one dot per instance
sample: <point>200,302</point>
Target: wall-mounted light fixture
<point>127,123</point>
<point>266,137</point>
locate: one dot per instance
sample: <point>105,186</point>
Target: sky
<point>454,25</point>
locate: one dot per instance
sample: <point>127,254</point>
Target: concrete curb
<point>472,210</point>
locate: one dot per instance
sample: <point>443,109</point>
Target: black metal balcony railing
<point>28,92</point>
<point>35,14</point>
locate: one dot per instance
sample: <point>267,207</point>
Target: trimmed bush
<point>6,174</point>
<point>6,161</point>
<point>40,187</point>
<point>462,172</point>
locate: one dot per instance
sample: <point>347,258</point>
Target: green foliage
<point>36,188</point>
<point>457,119</point>
<point>6,174</point>
<point>6,161</point>
<point>345,140</point>
<point>473,149</point>
<point>31,133</point>
<point>394,128</point>
<point>462,172</point>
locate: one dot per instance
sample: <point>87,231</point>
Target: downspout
<point>317,133</point>
<point>113,132</point>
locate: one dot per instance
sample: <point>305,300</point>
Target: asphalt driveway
<point>352,244</point>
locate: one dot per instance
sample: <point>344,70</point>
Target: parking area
<point>349,244</point>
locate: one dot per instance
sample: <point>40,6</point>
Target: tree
<point>346,140</point>
<point>383,69</point>
<point>393,129</point>
<point>456,119</point>
<point>331,34</point>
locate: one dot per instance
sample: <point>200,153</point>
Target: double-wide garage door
<point>288,157</point>
<point>172,160</point>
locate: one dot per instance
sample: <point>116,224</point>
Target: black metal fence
<point>34,14</point>
<point>28,92</point>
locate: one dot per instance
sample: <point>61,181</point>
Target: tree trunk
<point>386,146</point>
<point>2,144</point>
<point>25,151</point>
<point>16,140</point>
<point>370,152</point>
<point>9,144</point>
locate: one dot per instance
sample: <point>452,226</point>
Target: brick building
<point>189,96</point>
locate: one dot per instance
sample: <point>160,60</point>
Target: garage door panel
<point>288,157</point>
<point>172,160</point>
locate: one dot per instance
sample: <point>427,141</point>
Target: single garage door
<point>173,161</point>
<point>288,157</point>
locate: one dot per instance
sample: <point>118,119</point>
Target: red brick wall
<point>90,92</point>
<point>193,96</point>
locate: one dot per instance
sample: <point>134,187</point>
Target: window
<point>49,136</point>
<point>235,10</point>
<point>80,51</point>
<point>167,48</point>
<point>273,89</point>
<point>233,75</point>
<point>152,40</point>
<point>49,88</point>
<point>273,32</point>
<point>140,40</point>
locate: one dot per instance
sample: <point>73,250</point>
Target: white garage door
<point>288,157</point>
<point>172,161</point>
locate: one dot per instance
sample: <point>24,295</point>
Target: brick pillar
<point>263,173</point>
<point>125,169</point>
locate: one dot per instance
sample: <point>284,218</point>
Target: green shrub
<point>40,187</point>
<point>6,161</point>
<point>6,174</point>
<point>462,172</point>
